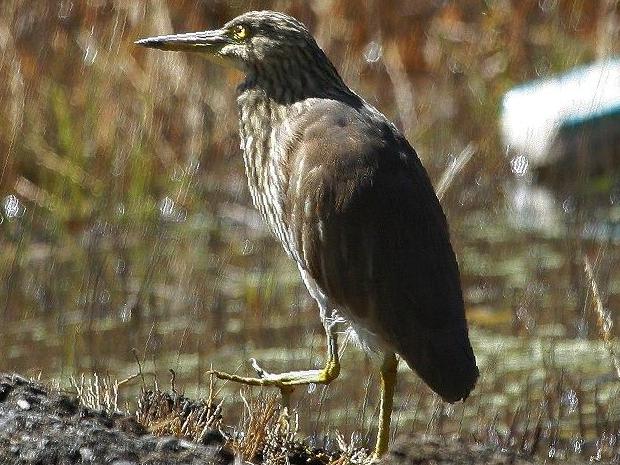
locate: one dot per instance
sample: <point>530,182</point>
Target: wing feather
<point>374,237</point>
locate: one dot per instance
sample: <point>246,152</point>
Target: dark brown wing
<point>372,233</point>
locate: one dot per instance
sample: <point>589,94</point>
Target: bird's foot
<point>285,380</point>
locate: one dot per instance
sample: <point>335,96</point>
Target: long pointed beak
<point>207,41</point>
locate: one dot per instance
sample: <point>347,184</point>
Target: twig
<point>455,168</point>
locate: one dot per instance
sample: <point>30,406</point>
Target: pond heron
<point>347,197</point>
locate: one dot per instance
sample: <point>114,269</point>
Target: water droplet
<point>120,209</point>
<point>455,67</point>
<point>570,400</point>
<point>90,54</point>
<point>547,5</point>
<point>582,328</point>
<point>311,388</point>
<point>177,174</point>
<point>65,9</point>
<point>523,315</point>
<point>542,67</point>
<point>192,166</point>
<point>492,436</point>
<point>104,297</point>
<point>12,207</point>
<point>181,216</point>
<point>519,165</point>
<point>568,206</point>
<point>248,247</point>
<point>373,52</point>
<point>125,313</point>
<point>166,207</point>
<point>607,321</point>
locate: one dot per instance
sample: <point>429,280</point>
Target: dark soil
<point>42,426</point>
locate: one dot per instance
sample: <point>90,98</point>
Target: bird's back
<point>369,229</point>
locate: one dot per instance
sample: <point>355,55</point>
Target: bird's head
<point>272,48</point>
<point>253,39</point>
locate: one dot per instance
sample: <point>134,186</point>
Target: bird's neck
<point>260,117</point>
<point>263,132</point>
<point>268,100</point>
<point>287,81</point>
<point>270,97</point>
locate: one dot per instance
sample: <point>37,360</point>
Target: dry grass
<point>98,392</point>
<point>269,435</point>
<point>550,426</point>
<point>171,413</point>
<point>262,415</point>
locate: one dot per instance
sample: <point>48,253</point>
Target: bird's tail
<point>444,359</point>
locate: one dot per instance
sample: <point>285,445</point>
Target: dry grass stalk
<point>271,438</point>
<point>351,453</point>
<point>97,392</point>
<point>603,318</point>
<point>173,414</point>
<point>454,169</point>
<point>262,418</point>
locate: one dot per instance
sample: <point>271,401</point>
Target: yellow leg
<point>388,383</point>
<point>285,381</point>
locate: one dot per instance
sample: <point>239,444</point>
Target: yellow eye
<point>239,32</point>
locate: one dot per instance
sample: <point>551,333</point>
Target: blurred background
<point>126,224</point>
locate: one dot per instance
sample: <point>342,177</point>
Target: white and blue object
<point>570,117</point>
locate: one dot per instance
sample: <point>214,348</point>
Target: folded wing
<point>373,235</point>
